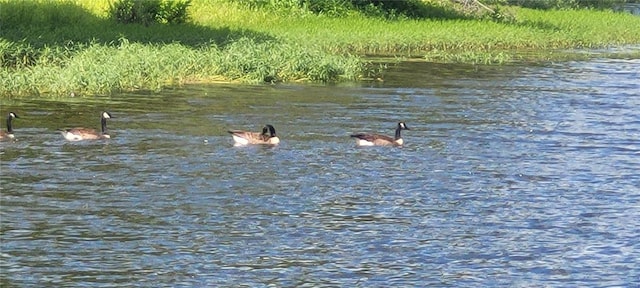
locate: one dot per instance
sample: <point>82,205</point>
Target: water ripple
<point>511,176</point>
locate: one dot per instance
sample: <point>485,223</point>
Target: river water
<point>511,176</point>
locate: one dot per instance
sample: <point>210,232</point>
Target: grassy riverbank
<point>63,47</point>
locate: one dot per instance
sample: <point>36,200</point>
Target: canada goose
<point>267,137</point>
<point>77,134</point>
<point>9,133</point>
<point>364,139</point>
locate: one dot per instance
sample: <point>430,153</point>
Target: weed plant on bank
<point>72,46</point>
<point>86,53</point>
<point>103,69</point>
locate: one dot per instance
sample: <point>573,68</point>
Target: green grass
<point>533,29</point>
<point>63,47</point>
<point>103,69</point>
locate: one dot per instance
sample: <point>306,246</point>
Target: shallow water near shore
<point>518,176</point>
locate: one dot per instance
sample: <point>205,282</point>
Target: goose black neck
<point>103,123</point>
<point>9,128</point>
<point>398,136</point>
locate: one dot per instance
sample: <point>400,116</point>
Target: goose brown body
<point>266,137</point>
<point>372,139</point>
<point>78,134</point>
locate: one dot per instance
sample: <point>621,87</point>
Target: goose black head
<point>271,129</point>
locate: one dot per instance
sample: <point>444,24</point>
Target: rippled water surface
<point>518,176</point>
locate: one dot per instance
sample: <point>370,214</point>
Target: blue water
<point>512,176</point>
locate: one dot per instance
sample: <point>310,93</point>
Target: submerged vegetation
<point>85,47</point>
